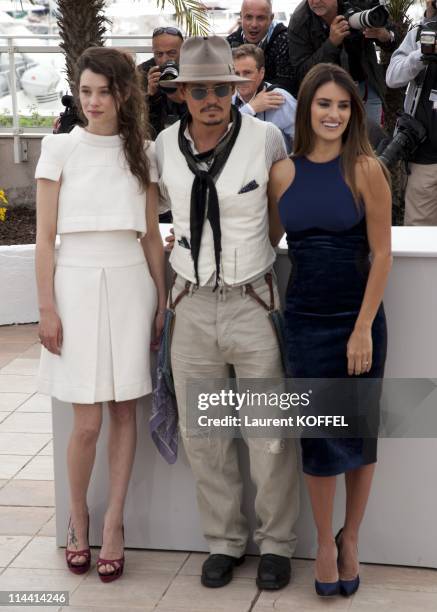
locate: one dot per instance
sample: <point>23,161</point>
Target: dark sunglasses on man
<point>221,91</point>
<point>169,30</point>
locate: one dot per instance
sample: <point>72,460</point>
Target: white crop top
<point>98,191</point>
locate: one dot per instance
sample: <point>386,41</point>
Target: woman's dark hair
<point>355,138</point>
<point>125,85</point>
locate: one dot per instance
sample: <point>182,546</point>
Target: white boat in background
<point>39,76</point>
<point>38,18</point>
<point>17,8</point>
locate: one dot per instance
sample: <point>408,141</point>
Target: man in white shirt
<point>407,67</point>
<point>214,168</point>
<point>258,97</point>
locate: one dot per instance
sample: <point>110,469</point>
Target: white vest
<point>246,248</point>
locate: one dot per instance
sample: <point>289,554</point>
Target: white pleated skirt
<point>106,299</point>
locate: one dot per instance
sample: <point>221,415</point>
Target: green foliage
<point>34,120</point>
<point>398,11</point>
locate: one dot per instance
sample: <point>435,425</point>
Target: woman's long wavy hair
<point>125,85</point>
<point>355,138</point>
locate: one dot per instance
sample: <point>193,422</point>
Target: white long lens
<point>375,17</point>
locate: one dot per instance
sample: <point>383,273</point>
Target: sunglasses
<point>171,31</point>
<point>221,91</point>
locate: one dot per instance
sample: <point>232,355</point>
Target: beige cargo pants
<point>211,331</point>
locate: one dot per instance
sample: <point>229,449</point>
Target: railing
<point>11,48</point>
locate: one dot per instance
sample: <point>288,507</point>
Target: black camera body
<point>169,71</point>
<point>69,118</point>
<point>375,15</point>
<point>409,134</point>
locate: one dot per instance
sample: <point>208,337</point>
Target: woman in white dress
<point>102,297</point>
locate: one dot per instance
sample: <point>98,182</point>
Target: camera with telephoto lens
<point>428,41</point>
<point>375,16</point>
<point>169,72</point>
<point>409,134</point>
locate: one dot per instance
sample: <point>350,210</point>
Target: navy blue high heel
<point>347,587</point>
<point>327,589</point>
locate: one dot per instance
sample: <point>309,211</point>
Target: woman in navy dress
<point>333,200</point>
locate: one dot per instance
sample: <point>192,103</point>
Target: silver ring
<point>366,363</point>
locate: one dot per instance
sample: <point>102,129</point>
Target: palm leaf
<point>398,11</point>
<point>190,14</point>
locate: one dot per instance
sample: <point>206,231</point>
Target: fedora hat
<point>205,59</point>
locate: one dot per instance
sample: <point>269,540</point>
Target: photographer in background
<point>258,97</point>
<point>416,65</point>
<point>259,28</point>
<point>319,32</point>
<point>165,107</point>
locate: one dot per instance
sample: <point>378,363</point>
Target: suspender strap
<point>269,282</point>
<point>180,295</point>
<point>248,287</point>
<point>251,291</point>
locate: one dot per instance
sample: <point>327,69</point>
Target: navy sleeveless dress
<point>329,252</point>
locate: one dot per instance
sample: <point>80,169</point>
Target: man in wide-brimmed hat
<point>214,168</point>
